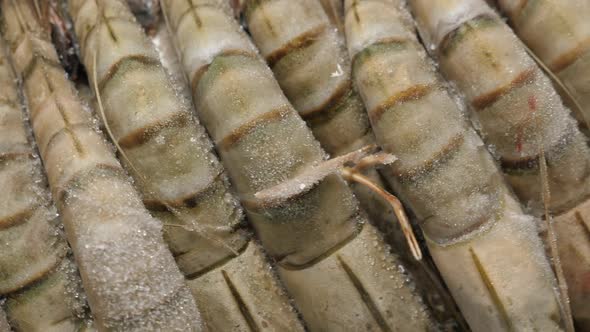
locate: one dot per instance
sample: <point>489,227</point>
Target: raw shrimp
<point>181,180</point>
<point>34,273</point>
<point>543,154</point>
<point>475,228</point>
<point>110,231</point>
<point>333,263</point>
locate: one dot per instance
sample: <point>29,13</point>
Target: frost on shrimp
<point>169,154</point>
<point>543,154</point>
<point>326,253</point>
<point>33,272</point>
<point>475,229</point>
<point>105,222</point>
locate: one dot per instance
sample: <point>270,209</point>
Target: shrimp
<point>34,273</point>
<point>543,154</point>
<point>309,59</point>
<point>475,228</point>
<point>559,34</point>
<point>110,231</point>
<point>332,262</point>
<point>182,182</point>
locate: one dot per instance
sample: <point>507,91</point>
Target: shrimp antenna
<point>354,175</point>
<point>546,194</point>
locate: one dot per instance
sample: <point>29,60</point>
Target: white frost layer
<point>436,18</point>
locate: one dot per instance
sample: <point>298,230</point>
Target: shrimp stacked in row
<point>475,229</point>
<point>309,60</point>
<point>35,269</point>
<point>543,154</point>
<point>181,180</point>
<point>333,263</point>
<point>130,277</point>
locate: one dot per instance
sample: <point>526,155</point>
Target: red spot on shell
<point>532,101</point>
